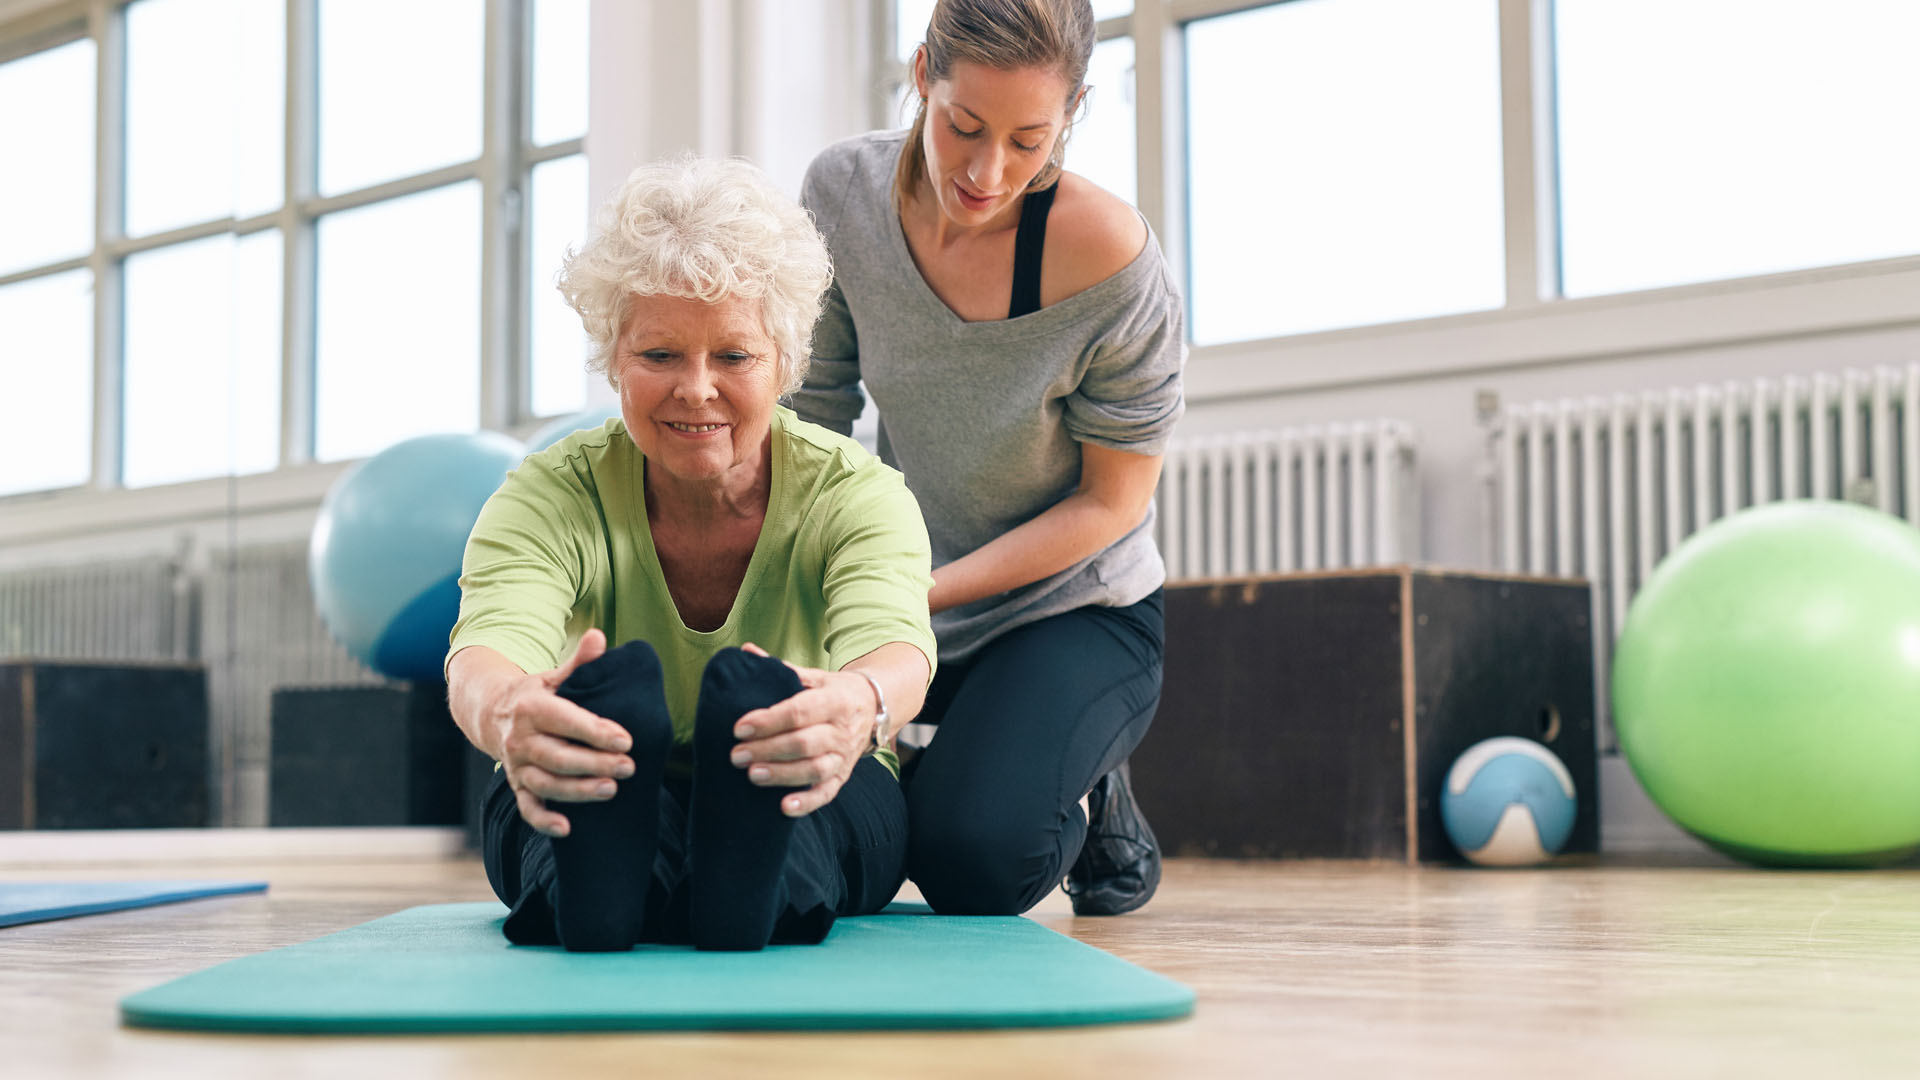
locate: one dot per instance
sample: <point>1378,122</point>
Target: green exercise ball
<point>1766,686</point>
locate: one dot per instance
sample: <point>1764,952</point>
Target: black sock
<point>738,846</point>
<point>604,864</point>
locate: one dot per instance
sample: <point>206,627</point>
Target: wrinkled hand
<point>812,740</point>
<point>553,749</point>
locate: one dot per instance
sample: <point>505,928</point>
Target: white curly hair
<point>701,229</point>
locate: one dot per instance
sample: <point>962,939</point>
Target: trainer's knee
<point>965,867</point>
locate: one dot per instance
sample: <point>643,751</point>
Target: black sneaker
<point>1119,868</point>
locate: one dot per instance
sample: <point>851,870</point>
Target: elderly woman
<point>685,785</point>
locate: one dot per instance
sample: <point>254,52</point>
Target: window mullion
<point>108,28</point>
<point>504,371</point>
<point>1529,153</point>
<point>296,230</point>
<point>1160,129</point>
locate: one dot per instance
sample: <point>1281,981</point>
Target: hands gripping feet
<point>604,865</point>
<point>737,850</point>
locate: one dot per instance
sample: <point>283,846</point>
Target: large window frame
<point>1537,325</point>
<point>503,171</point>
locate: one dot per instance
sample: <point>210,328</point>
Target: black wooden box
<point>102,745</point>
<point>365,755</point>
<point>1316,715</point>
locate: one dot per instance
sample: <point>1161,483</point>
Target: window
<point>46,435</point>
<point>47,220</point>
<point>46,194</point>
<point>1343,165</point>
<point>397,337</point>
<point>180,81</point>
<point>400,88</point>
<point>1741,139</point>
<point>557,202</point>
<point>383,234</point>
<point>1102,147</point>
<point>202,377</point>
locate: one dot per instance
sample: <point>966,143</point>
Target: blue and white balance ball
<point>385,556</point>
<point>1508,801</point>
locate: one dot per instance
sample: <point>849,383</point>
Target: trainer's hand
<point>812,740</point>
<point>553,749</point>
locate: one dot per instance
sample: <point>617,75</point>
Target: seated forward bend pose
<point>1017,330</point>
<point>685,786</point>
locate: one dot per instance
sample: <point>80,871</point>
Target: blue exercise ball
<point>562,426</point>
<point>385,555</point>
<point>1508,801</point>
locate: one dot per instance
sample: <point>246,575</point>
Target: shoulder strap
<point>1028,241</point>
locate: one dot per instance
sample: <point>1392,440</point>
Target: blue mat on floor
<point>39,901</point>
<point>446,968</point>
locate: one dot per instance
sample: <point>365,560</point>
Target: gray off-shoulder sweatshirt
<point>985,418</point>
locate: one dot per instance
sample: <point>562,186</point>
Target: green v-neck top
<point>841,568</point>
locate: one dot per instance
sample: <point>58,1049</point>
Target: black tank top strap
<point>1028,242</point>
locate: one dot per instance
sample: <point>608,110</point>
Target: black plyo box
<point>102,745</point>
<point>1315,715</point>
<point>365,755</point>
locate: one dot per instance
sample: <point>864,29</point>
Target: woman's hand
<point>551,748</point>
<point>811,740</point>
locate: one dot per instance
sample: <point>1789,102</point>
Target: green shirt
<point>841,568</point>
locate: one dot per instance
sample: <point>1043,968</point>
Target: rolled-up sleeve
<point>1130,397</point>
<point>523,571</point>
<point>879,568</point>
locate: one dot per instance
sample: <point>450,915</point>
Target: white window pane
<point>257,279</point>
<point>202,395</point>
<point>397,335</point>
<point>400,88</point>
<point>1344,165</point>
<point>1102,145</point>
<point>559,70</point>
<point>559,343</point>
<point>180,133</point>
<point>259,106</point>
<point>46,382</point>
<point>1741,138</point>
<point>1112,9</point>
<point>46,192</point>
<point>910,18</point>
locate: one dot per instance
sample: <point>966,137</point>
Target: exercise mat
<point>40,901</point>
<point>446,968</point>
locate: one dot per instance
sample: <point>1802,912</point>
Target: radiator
<point>134,609</point>
<point>1603,488</point>
<point>247,614</point>
<point>1309,498</point>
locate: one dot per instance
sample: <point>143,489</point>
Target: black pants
<point>1027,725</point>
<point>846,858</point>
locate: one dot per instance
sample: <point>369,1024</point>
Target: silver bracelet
<point>880,715</point>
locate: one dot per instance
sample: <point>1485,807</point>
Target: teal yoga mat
<point>445,968</point>
<point>40,901</point>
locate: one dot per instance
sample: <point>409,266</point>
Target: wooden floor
<point>1306,969</point>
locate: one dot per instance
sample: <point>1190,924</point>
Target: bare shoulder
<point>1091,236</point>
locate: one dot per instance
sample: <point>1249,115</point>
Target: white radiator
<point>248,615</point>
<point>1309,498</point>
<point>1603,488</point>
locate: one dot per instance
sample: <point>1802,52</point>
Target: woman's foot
<point>1119,865</point>
<point>737,850</point>
<point>604,865</point>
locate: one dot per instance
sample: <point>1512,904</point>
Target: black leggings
<point>846,858</point>
<point>1027,725</point>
